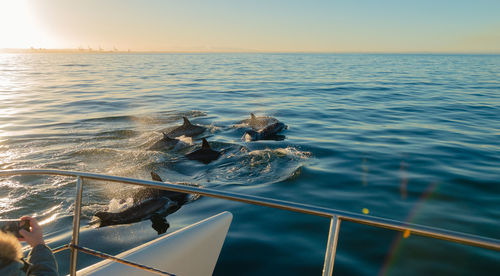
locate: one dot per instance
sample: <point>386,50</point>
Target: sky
<point>394,26</point>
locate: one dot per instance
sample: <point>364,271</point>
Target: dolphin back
<point>187,129</point>
<point>135,213</point>
<point>270,132</point>
<point>251,135</point>
<point>205,154</point>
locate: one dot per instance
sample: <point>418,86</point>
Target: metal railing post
<point>331,248</point>
<point>76,226</point>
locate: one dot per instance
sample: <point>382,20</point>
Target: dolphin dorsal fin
<point>186,121</point>
<point>156,177</point>
<point>252,116</point>
<point>205,144</point>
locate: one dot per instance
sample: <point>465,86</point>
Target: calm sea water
<point>408,137</point>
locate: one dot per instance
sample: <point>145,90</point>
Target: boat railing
<point>335,216</point>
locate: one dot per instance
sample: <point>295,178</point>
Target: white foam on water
<point>288,151</point>
<point>184,141</point>
<point>118,205</point>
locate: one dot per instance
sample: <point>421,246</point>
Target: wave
<point>75,65</point>
<point>351,88</point>
<point>155,118</point>
<point>289,152</point>
<point>117,134</point>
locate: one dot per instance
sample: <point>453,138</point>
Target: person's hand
<point>35,236</point>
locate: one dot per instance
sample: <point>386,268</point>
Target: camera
<point>14,225</point>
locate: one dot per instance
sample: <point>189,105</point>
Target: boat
<point>199,243</point>
<point>202,241</point>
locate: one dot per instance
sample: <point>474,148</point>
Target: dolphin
<point>165,143</point>
<point>187,129</point>
<point>205,154</point>
<point>270,132</point>
<point>260,122</point>
<point>147,193</point>
<point>149,203</point>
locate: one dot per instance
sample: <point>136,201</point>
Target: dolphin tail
<point>156,177</point>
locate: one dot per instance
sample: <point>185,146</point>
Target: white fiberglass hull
<point>192,250</point>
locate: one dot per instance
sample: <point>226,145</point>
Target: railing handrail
<point>336,216</point>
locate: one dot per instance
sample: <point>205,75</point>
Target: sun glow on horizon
<point>257,26</point>
<point>19,27</point>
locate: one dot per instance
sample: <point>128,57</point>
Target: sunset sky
<point>258,25</point>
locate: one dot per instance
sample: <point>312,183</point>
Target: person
<point>41,261</point>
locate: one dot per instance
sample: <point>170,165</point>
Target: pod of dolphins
<point>156,204</point>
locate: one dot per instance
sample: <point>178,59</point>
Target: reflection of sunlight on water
<point>7,203</point>
<point>6,113</point>
<point>8,95</point>
<point>49,219</point>
<point>8,183</point>
<point>12,157</point>
<point>4,204</point>
<point>6,87</point>
<point>6,155</point>
<point>50,210</point>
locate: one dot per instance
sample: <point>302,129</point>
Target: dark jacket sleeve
<point>43,262</point>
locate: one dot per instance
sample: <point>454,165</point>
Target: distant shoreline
<point>91,51</point>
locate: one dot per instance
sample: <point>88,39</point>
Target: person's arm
<point>41,257</point>
<point>43,262</point>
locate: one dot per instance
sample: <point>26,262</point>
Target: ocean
<point>409,137</point>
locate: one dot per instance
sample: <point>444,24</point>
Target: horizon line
<point>101,51</point>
